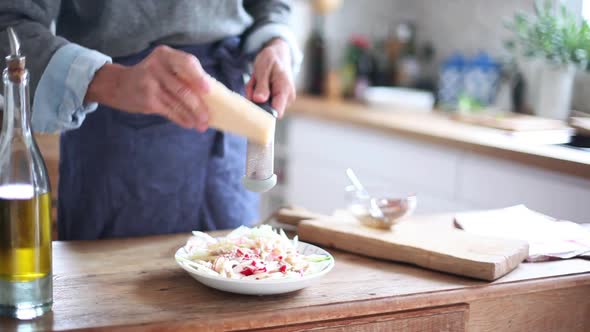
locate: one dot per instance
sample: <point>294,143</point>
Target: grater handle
<point>268,108</point>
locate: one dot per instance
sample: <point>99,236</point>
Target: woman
<point>124,80</point>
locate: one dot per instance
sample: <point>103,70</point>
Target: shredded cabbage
<point>251,253</point>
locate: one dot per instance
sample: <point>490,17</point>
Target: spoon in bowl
<point>374,209</point>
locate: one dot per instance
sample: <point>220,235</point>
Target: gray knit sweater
<point>123,27</point>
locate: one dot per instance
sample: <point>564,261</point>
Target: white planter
<point>531,71</point>
<point>581,94</point>
<point>554,96</point>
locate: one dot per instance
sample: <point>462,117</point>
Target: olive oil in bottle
<point>25,237</point>
<point>26,289</point>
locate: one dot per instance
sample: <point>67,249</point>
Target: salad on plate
<point>258,253</point>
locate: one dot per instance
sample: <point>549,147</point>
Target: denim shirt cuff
<point>58,103</point>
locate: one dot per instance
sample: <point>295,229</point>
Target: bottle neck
<point>16,119</point>
<point>318,25</point>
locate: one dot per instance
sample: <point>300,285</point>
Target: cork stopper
<point>15,62</point>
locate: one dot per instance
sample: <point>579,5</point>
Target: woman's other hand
<point>272,76</point>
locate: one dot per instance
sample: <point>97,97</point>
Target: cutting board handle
<point>294,215</point>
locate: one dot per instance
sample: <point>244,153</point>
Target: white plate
<point>258,287</point>
<point>396,98</point>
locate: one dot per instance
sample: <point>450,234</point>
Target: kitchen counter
<point>438,128</point>
<point>49,147</point>
<point>135,285</point>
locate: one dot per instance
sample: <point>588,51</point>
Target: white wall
<point>467,26</point>
<point>463,25</point>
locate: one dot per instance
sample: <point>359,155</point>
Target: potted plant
<point>549,47</point>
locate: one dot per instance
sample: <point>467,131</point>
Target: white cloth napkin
<point>548,237</point>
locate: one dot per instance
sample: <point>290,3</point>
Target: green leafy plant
<point>552,33</point>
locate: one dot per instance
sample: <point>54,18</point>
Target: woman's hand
<point>168,82</point>
<point>272,76</point>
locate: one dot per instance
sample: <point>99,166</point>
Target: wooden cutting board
<point>511,121</point>
<point>428,241</point>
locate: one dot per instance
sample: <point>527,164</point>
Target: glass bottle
<point>25,203</point>
<point>316,53</point>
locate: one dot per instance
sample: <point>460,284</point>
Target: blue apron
<point>124,175</point>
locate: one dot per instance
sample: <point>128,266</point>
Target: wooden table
<point>135,285</point>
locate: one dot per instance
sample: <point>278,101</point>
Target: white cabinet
<point>320,151</point>
<point>494,183</point>
<point>445,178</point>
